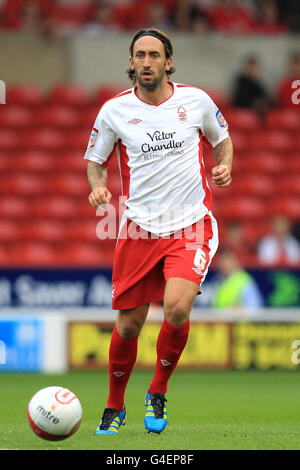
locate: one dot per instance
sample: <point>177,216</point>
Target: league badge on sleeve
<point>221,120</point>
<point>93,138</point>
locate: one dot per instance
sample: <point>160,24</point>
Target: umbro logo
<point>118,373</point>
<point>165,363</point>
<point>135,121</point>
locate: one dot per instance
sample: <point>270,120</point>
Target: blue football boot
<point>156,413</point>
<point>111,421</point>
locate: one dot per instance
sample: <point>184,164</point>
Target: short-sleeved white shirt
<point>159,149</point>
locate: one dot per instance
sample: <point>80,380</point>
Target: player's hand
<point>221,176</point>
<point>99,196</point>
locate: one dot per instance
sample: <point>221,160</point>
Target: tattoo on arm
<point>223,153</point>
<point>97,175</point>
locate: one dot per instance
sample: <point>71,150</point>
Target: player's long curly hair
<point>159,35</point>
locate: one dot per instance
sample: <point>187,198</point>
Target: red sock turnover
<point>122,357</point>
<point>171,342</point>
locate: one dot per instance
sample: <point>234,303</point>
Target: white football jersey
<point>159,149</point>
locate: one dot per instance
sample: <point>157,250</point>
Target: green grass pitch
<point>206,410</point>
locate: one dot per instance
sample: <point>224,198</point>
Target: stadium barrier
<point>55,341</point>
<point>91,287</point>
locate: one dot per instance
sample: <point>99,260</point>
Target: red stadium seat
<point>79,140</point>
<point>10,231</point>
<point>296,142</point>
<point>58,116</point>
<point>128,15</point>
<point>240,140</point>
<point>263,162</point>
<point>45,231</point>
<point>86,255</point>
<point>6,162</point>
<point>283,119</point>
<point>83,231</point>
<point>222,194</point>
<point>288,206</point>
<point>289,186</point>
<point>273,141</point>
<point>72,161</point>
<point>33,254</point>
<point>5,256</point>
<point>9,139</point>
<point>68,184</point>
<point>89,232</point>
<point>88,116</point>
<point>29,95</point>
<point>56,207</point>
<point>72,95</point>
<point>36,161</point>
<point>242,119</point>
<point>15,207</point>
<point>21,184</point>
<point>16,117</point>
<point>253,185</point>
<point>253,232</point>
<point>45,139</point>
<point>106,92</point>
<point>71,15</point>
<point>243,208</point>
<point>292,163</point>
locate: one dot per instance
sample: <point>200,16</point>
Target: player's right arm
<point>97,178</point>
<point>100,146</point>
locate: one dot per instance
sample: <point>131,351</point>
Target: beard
<point>154,84</point>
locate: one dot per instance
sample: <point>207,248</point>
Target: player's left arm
<point>223,153</point>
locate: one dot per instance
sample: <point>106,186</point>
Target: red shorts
<point>143,262</point>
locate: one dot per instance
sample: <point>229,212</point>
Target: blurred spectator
<point>279,248</point>
<point>158,16</point>
<point>200,21</point>
<point>30,15</point>
<point>102,19</point>
<point>236,242</point>
<point>290,12</point>
<point>231,16</point>
<point>270,22</point>
<point>296,231</point>
<point>285,90</point>
<point>235,287</point>
<point>189,16</point>
<point>249,91</point>
<point>181,17</point>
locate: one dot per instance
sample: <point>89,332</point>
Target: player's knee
<point>129,327</point>
<point>177,313</point>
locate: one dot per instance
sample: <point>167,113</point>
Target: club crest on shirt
<point>93,138</point>
<point>221,120</point>
<point>181,113</point>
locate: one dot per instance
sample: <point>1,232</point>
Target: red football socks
<point>122,357</point>
<point>171,342</point>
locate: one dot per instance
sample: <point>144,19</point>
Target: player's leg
<point>178,301</point>
<point>186,264</point>
<point>122,357</point>
<point>179,298</point>
<point>123,352</point>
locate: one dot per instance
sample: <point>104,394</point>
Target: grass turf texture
<point>206,410</point>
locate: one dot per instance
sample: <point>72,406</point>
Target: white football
<point>54,413</point>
